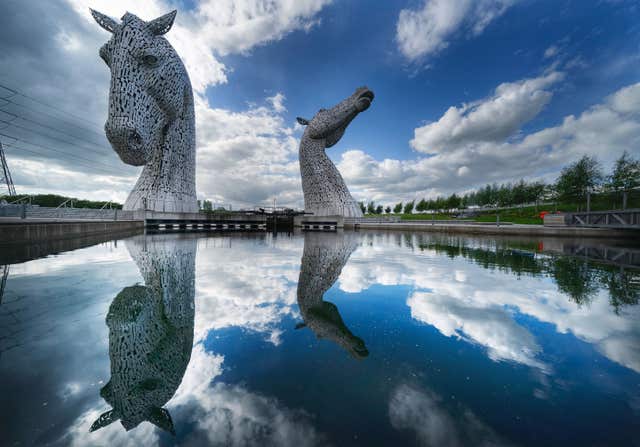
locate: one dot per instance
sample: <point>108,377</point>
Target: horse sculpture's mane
<point>151,118</point>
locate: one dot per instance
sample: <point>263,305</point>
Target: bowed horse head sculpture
<point>325,193</point>
<point>151,119</point>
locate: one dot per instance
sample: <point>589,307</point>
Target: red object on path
<point>543,213</point>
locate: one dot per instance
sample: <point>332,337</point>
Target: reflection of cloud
<point>217,414</point>
<point>246,284</point>
<point>424,413</point>
<point>462,298</point>
<point>231,415</point>
<point>491,327</point>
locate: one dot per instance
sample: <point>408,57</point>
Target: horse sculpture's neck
<point>324,189</point>
<point>167,182</point>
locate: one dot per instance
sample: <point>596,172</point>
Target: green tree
<point>536,192</point>
<point>408,207</point>
<point>379,209</point>
<point>575,278</point>
<point>371,208</point>
<point>624,287</point>
<point>387,209</point>
<point>453,201</point>
<point>207,205</point>
<point>363,207</point>
<point>578,178</point>
<point>421,206</point>
<point>398,208</point>
<point>625,176</point>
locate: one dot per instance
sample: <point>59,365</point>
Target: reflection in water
<point>150,333</point>
<point>579,275</point>
<point>478,341</point>
<point>324,256</point>
<point>3,280</point>
<point>425,414</point>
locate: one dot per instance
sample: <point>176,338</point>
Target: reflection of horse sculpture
<point>325,193</point>
<point>151,118</point>
<point>150,333</point>
<point>324,256</point>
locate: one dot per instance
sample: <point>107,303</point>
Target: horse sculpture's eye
<point>150,60</point>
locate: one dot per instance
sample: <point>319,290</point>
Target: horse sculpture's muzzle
<point>126,141</point>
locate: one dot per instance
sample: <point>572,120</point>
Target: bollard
<point>498,220</point>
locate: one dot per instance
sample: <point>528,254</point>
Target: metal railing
<point>606,219</point>
<point>25,211</point>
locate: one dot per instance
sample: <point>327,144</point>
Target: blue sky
<point>467,92</point>
<point>354,45</point>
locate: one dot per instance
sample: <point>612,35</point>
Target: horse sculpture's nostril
<point>135,138</point>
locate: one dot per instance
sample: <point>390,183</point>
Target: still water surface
<point>321,339</point>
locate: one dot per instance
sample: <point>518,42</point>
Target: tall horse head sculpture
<point>325,193</point>
<point>151,118</point>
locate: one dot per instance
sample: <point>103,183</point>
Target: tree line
<point>575,182</point>
<point>54,200</point>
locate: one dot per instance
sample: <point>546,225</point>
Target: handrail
<point>20,199</point>
<point>64,203</point>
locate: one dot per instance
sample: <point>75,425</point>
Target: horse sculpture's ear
<point>106,418</point>
<point>163,24</point>
<point>104,21</point>
<point>302,121</point>
<point>162,419</point>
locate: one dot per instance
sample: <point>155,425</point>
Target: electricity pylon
<point>5,174</point>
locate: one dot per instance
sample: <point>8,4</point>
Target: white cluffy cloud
<point>216,28</point>
<point>248,157</point>
<point>479,142</point>
<point>490,120</point>
<point>424,32</point>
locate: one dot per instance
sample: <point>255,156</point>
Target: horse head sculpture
<point>325,193</point>
<point>151,118</point>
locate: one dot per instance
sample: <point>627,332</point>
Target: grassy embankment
<point>529,214</point>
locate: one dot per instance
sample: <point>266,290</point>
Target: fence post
<point>497,220</point>
<point>624,200</point>
<point>23,215</point>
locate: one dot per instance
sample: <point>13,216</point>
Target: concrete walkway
<point>16,230</point>
<point>493,229</point>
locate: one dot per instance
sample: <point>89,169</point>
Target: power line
<point>34,110</point>
<point>55,150</point>
<point>16,92</point>
<point>89,165</point>
<point>52,137</point>
<point>51,128</point>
